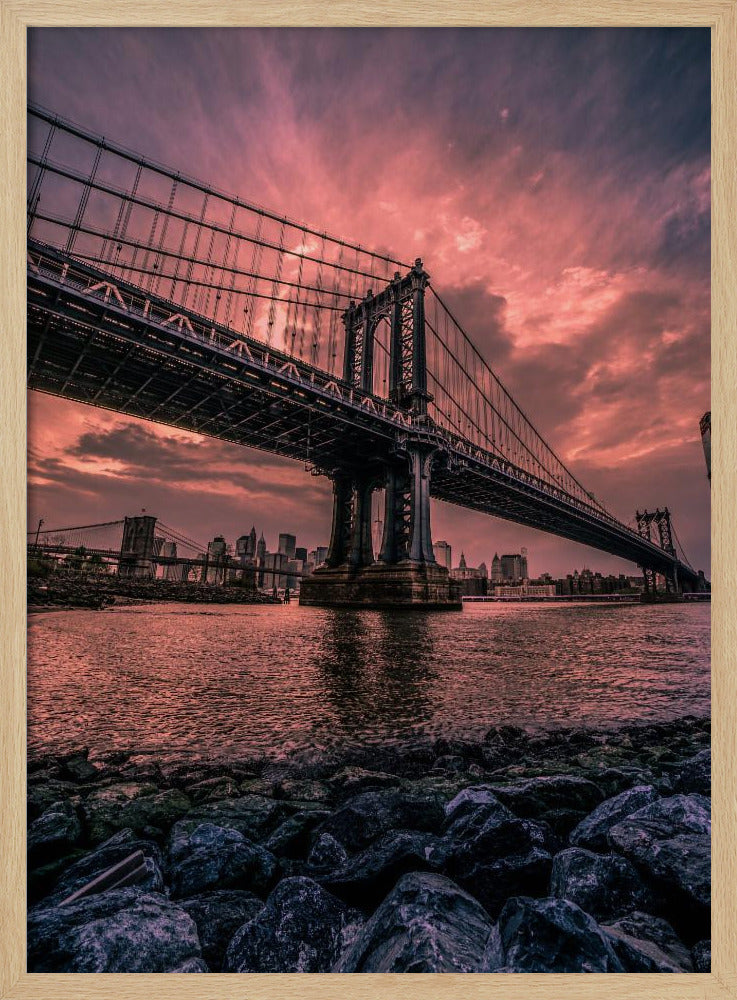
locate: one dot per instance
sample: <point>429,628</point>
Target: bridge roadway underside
<point>89,350</point>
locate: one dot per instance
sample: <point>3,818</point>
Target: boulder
<point>119,931</point>
<point>701,955</point>
<point>352,780</point>
<point>366,816</point>
<point>640,955</point>
<point>54,833</point>
<point>327,853</point>
<point>604,886</point>
<point>695,775</point>
<point>76,767</point>
<point>426,924</point>
<point>214,857</point>
<point>132,805</point>
<point>364,879</point>
<point>255,816</point>
<point>302,928</point>
<point>548,935</point>
<point>120,846</point>
<point>492,853</point>
<point>218,915</point>
<point>291,839</point>
<point>670,842</point>
<point>535,796</point>
<point>592,832</point>
<point>646,927</point>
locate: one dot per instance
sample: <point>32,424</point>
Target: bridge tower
<point>660,519</point>
<point>406,572</point>
<point>138,547</point>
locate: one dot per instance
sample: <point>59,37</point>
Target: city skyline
<point>570,234</point>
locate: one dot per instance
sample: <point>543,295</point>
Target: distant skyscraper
<point>300,554</point>
<point>287,545</point>
<point>705,428</point>
<point>496,569</point>
<point>261,548</point>
<point>512,567</point>
<point>524,574</point>
<point>443,554</point>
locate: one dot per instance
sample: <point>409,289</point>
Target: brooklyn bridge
<point>153,294</point>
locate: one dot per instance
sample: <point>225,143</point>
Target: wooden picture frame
<point>15,17</point>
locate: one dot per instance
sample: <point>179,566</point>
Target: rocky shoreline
<point>58,594</point>
<point>563,851</point>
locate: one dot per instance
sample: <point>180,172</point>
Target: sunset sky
<point>556,184</point>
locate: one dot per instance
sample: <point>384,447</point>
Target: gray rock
<point>535,796</point>
<point>604,886</point>
<point>327,853</point>
<point>218,915</point>
<point>119,931</point>
<point>76,767</point>
<point>53,833</point>
<point>302,928</point>
<point>469,801</point>
<point>670,840</point>
<point>426,924</point>
<point>365,817</point>
<point>255,816</point>
<point>133,806</point>
<point>701,954</point>
<point>548,935</point>
<point>592,832</point>
<point>493,854</point>
<point>364,879</point>
<point>291,839</point>
<point>695,775</point>
<point>114,850</point>
<point>192,965</point>
<point>646,927</point>
<point>214,857</point>
<point>639,955</point>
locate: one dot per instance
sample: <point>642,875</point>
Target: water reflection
<point>377,669</point>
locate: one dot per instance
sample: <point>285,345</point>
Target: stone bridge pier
<point>404,573</point>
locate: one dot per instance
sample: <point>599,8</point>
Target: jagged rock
<point>592,832</point>
<point>218,915</point>
<point>132,805</point>
<point>255,816</point>
<point>535,796</point>
<point>548,935</point>
<point>491,852</point>
<point>327,853</point>
<point>112,851</point>
<point>41,797</point>
<point>364,879</point>
<point>646,927</point>
<point>670,840</point>
<point>426,924</point>
<point>639,955</point>
<point>604,886</point>
<point>352,780</point>
<point>701,953</point>
<point>366,816</point>
<point>291,839</point>
<point>55,831</point>
<point>214,857</point>
<point>302,928</point>
<point>212,789</point>
<point>119,931</point>
<point>76,767</point>
<point>695,775</point>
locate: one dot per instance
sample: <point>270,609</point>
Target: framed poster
<point>340,783</point>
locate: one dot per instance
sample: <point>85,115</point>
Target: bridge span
<point>203,312</point>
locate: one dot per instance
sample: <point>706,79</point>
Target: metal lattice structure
<point>152,293</point>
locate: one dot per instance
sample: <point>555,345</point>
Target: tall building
<point>245,547</point>
<point>217,556</point>
<point>443,554</point>
<point>287,545</point>
<point>300,554</point>
<point>513,567</point>
<point>705,428</point>
<point>261,548</point>
<point>523,564</point>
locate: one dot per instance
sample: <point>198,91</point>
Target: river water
<point>225,682</point>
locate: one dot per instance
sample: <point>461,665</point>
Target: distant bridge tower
<point>137,549</point>
<point>406,571</point>
<point>661,520</point>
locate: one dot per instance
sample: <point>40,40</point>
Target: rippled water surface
<point>225,682</point>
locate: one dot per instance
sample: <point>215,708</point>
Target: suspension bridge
<point>156,295</point>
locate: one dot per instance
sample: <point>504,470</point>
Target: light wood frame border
<point>15,17</point>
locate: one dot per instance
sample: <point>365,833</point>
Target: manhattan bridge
<point>156,295</point>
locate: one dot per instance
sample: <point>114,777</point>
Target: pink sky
<point>556,184</point>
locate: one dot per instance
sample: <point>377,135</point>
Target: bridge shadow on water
<point>377,672</point>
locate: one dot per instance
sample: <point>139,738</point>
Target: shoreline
<point>229,847</point>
